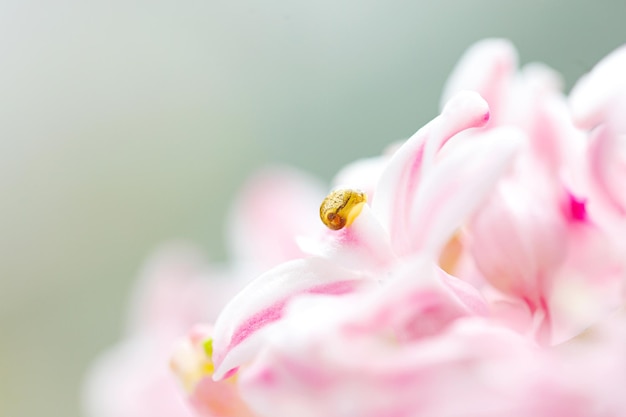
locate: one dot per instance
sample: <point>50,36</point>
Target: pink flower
<point>538,240</point>
<point>178,290</point>
<point>598,102</point>
<point>132,379</point>
<point>479,278</point>
<point>395,227</point>
<point>470,367</point>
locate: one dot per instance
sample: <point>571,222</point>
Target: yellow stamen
<point>193,363</point>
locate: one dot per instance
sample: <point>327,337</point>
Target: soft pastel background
<point>124,124</point>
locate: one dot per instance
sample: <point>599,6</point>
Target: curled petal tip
<point>486,67</point>
<point>468,106</point>
<point>597,92</point>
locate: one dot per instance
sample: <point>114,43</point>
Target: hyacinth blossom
<point>479,271</point>
<point>178,288</point>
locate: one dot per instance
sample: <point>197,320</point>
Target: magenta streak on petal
<point>230,373</point>
<point>400,180</point>
<point>578,210</point>
<point>276,311</point>
<point>258,320</point>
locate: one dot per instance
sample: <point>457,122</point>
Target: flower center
<point>193,362</point>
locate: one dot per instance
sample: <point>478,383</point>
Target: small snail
<point>341,207</point>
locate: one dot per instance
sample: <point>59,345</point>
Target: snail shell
<point>341,207</point>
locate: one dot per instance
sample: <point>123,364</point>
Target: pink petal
<point>457,185</point>
<point>595,93</point>
<point>238,329</point>
<point>362,174</point>
<point>518,237</point>
<point>420,300</point>
<point>399,181</point>
<point>488,67</point>
<point>590,284</point>
<point>607,164</point>
<point>539,107</point>
<point>133,380</point>
<point>275,206</point>
<point>363,246</point>
<point>471,369</point>
<point>171,294</point>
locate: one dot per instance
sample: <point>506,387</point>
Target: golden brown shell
<point>341,207</point>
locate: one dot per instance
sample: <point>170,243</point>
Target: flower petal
<point>239,328</point>
<point>362,174</point>
<point>275,206</point>
<point>132,380</point>
<point>607,165</point>
<point>364,245</point>
<point>488,67</point>
<point>457,185</point>
<point>399,181</point>
<point>595,93</point>
<point>172,291</point>
<point>472,369</point>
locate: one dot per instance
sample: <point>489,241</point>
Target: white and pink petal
<point>239,328</point>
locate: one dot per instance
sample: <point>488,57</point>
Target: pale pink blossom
<point>355,258</point>
<point>133,379</point>
<point>535,240</point>
<point>469,368</point>
<point>482,277</point>
<point>179,289</point>
<point>598,102</point>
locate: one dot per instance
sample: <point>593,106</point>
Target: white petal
<point>275,205</point>
<point>400,179</point>
<point>458,185</point>
<point>595,93</point>
<point>488,68</point>
<point>238,329</point>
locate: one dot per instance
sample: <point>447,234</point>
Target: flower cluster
<point>481,274</point>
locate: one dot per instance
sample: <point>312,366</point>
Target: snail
<point>341,207</point>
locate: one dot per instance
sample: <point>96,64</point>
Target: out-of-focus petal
<point>275,206</point>
<point>133,380</point>
<point>538,106</point>
<point>589,285</point>
<point>419,300</point>
<point>488,68</point>
<point>595,93</point>
<point>471,369</point>
<point>192,363</point>
<point>517,238</point>
<point>262,302</point>
<point>176,291</point>
<point>172,291</point>
<point>607,165</point>
<point>362,174</point>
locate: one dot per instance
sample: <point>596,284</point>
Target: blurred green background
<point>124,125</point>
